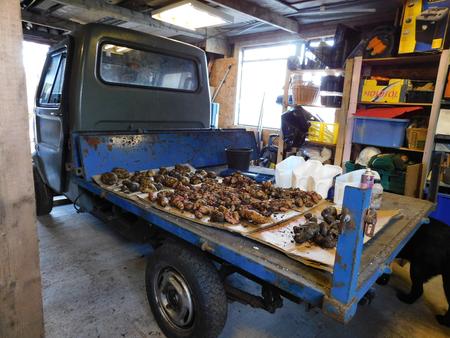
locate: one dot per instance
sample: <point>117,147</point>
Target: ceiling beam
<point>49,21</point>
<point>126,14</point>
<point>261,14</point>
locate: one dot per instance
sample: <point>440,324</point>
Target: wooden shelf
<point>318,71</point>
<point>400,148</point>
<point>315,143</point>
<point>410,149</point>
<point>396,104</point>
<point>311,105</point>
<point>404,60</point>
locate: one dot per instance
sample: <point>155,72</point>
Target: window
<point>53,82</point>
<point>127,66</point>
<point>263,71</point>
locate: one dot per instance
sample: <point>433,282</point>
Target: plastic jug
<point>284,171</point>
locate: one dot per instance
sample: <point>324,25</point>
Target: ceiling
<point>49,20</point>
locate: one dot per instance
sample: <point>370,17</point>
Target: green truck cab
<point>106,78</point>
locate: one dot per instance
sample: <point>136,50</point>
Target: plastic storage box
<point>443,205</point>
<point>379,131</point>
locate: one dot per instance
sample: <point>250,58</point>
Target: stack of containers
<point>311,175</point>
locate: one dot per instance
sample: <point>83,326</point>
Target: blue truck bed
<point>357,265</point>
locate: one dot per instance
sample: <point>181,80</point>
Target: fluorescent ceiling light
<point>191,14</point>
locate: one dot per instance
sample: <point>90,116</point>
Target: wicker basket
<point>304,93</point>
<point>416,137</point>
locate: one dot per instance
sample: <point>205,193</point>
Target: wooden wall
<point>227,95</point>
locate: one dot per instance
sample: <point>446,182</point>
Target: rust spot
<point>109,146</point>
<point>93,141</point>
<point>338,259</point>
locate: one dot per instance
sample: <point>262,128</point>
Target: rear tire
<point>43,195</point>
<point>185,293</point>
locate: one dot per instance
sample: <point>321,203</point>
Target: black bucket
<point>238,158</point>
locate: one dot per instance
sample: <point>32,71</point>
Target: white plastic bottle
<point>377,194</point>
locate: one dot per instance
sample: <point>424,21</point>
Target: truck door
<point>50,125</point>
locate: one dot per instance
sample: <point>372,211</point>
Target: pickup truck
<point>111,97</point>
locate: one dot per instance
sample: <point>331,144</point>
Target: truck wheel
<point>185,293</point>
<point>43,195</point>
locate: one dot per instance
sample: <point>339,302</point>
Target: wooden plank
<point>227,94</point>
<point>20,281</point>
<point>341,114</point>
<point>353,104</point>
<point>261,14</point>
<point>402,60</point>
<point>49,21</point>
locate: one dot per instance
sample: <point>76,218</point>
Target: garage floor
<point>93,286</point>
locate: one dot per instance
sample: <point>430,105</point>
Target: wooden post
<point>20,281</point>
<point>434,115</point>
<point>353,105</point>
<point>341,113</point>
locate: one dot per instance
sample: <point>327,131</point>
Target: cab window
<point>122,65</point>
<point>51,90</point>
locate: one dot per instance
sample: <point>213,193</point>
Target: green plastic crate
<point>351,166</point>
<point>393,181</point>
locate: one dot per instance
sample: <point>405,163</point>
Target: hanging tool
<point>221,83</point>
<point>260,121</point>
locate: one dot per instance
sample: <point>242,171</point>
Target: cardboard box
<point>424,26</point>
<point>413,180</point>
<point>392,91</point>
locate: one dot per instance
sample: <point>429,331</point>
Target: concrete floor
<point>93,286</point>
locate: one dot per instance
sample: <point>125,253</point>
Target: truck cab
<point>105,78</point>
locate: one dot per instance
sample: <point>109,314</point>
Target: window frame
<point>143,49</point>
<point>47,64</point>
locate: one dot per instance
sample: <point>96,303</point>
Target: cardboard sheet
<point>280,237</point>
<point>243,228</point>
<point>277,233</point>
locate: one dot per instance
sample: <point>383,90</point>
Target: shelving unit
<point>432,67</point>
<point>340,114</point>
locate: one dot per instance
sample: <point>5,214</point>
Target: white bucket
<point>350,179</point>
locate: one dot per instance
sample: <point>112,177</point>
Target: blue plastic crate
<point>443,205</point>
<point>379,131</point>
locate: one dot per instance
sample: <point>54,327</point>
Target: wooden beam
<point>20,280</point>
<point>126,14</point>
<point>276,36</point>
<point>49,21</point>
<point>261,14</point>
